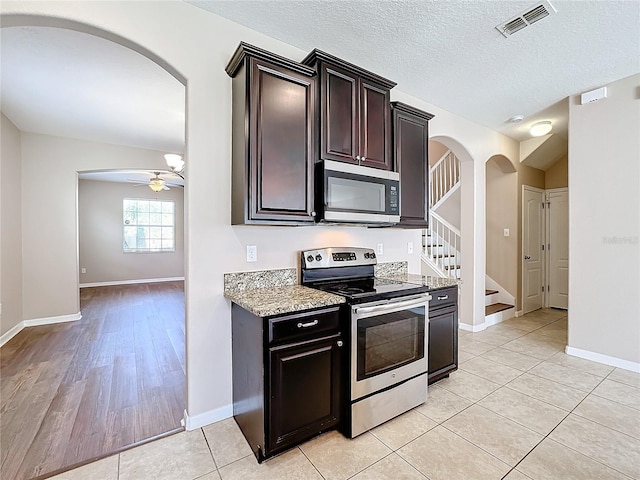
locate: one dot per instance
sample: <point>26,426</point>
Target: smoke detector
<point>528,17</point>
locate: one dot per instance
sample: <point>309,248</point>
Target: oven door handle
<point>406,304</point>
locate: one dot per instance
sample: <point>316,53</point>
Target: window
<point>148,225</point>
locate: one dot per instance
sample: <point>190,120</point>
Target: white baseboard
<point>202,419</point>
<point>601,358</point>
<point>34,322</point>
<point>131,282</point>
<point>472,328</point>
<point>12,332</point>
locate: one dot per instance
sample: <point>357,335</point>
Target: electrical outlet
<point>252,253</point>
<point>380,249</point>
<point>506,232</point>
<point>83,270</point>
<point>409,247</point>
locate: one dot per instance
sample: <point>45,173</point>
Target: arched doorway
<point>62,288</point>
<point>471,310</point>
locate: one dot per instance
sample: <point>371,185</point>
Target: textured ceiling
<point>71,84</point>
<point>449,53</point>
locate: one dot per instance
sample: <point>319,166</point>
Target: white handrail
<point>443,176</point>
<point>444,248</point>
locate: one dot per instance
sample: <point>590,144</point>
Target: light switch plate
<point>506,232</point>
<point>380,249</point>
<point>409,247</point>
<point>83,270</point>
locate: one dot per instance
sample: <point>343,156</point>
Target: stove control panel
<point>337,257</point>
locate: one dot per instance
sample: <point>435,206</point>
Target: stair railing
<point>442,247</point>
<point>445,174</point>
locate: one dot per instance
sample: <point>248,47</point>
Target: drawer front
<point>443,298</point>
<point>304,326</point>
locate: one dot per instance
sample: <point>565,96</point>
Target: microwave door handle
<point>414,302</point>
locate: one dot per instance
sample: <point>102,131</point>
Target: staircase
<point>494,310</point>
<point>441,241</point>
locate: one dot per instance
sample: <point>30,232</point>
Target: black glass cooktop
<point>370,289</point>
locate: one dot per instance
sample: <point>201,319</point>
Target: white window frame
<point>163,230</point>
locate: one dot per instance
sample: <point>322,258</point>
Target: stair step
<point>490,292</point>
<point>496,307</point>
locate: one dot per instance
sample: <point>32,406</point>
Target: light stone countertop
<point>266,302</point>
<point>434,283</point>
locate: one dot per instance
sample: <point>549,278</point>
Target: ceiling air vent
<point>528,17</point>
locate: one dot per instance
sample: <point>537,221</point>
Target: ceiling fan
<point>156,183</point>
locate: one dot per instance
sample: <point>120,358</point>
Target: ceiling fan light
<point>540,128</point>
<point>156,184</point>
<point>174,161</point>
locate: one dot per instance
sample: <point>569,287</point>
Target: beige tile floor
<point>518,408</point>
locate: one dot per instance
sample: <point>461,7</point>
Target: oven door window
<point>389,341</point>
<point>352,194</point>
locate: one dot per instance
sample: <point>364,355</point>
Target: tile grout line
<point>566,446</point>
<point>312,464</point>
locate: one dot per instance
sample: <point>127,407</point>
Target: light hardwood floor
<point>73,392</point>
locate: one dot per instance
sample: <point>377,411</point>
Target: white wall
<point>502,212</point>
<point>49,213</point>
<point>198,45</point>
<point>10,227</point>
<point>100,232</point>
<point>604,214</point>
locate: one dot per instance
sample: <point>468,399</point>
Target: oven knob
<point>372,255</point>
<point>366,254</point>
<point>310,258</point>
<point>318,257</point>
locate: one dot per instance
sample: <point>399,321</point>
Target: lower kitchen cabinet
<point>443,333</point>
<point>287,377</point>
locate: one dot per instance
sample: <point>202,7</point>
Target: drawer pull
<point>443,297</point>
<point>307,325</point>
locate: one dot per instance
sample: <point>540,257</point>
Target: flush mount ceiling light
<point>540,128</point>
<point>175,162</point>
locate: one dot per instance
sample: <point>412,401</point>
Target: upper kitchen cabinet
<point>354,116</point>
<point>411,160</point>
<point>273,138</point>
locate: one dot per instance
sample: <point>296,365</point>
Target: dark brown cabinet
<point>273,138</point>
<point>411,160</point>
<point>354,114</point>
<point>287,377</point>
<point>443,333</point>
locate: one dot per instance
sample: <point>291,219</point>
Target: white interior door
<point>532,248</point>
<point>558,248</point>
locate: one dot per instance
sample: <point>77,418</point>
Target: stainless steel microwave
<point>348,193</point>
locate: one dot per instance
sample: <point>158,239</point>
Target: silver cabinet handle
<point>362,159</point>
<point>527,257</point>
<point>313,214</point>
<point>307,325</point>
<point>358,157</point>
<point>444,297</point>
<point>339,343</point>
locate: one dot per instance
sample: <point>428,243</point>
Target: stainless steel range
<point>387,331</point>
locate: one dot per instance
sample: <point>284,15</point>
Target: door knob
<point>339,343</point>
<point>527,257</point>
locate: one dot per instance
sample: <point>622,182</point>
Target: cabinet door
<point>304,389</point>
<point>281,144</point>
<point>411,145</point>
<point>339,115</point>
<point>375,131</point>
<point>443,342</point>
